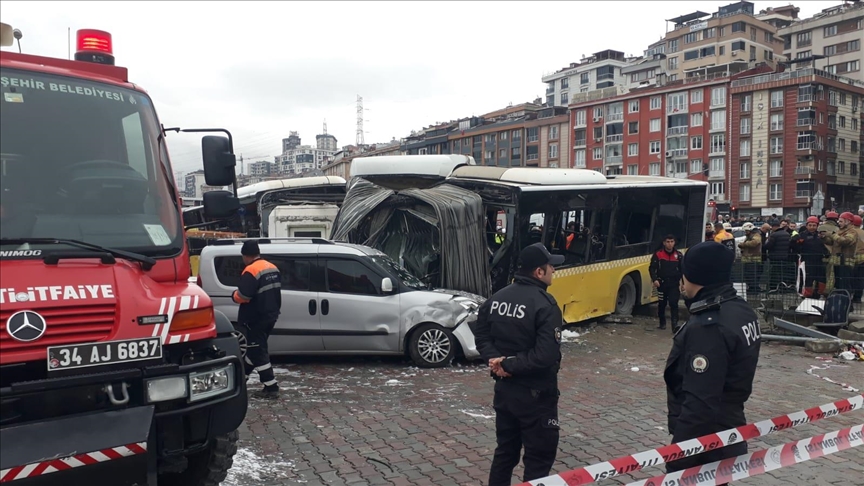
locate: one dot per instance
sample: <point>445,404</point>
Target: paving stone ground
<point>380,421</point>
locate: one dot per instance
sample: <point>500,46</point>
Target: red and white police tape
<point>692,447</point>
<point>78,460</point>
<point>761,462</point>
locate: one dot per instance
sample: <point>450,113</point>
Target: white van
<point>340,298</point>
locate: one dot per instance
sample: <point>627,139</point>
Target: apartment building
<point>430,140</point>
<point>830,41</point>
<point>600,70</point>
<point>524,135</point>
<point>793,134</point>
<point>677,129</point>
<point>732,39</point>
<point>341,164</point>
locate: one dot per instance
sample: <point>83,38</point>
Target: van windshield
<point>399,272</point>
<point>82,160</point>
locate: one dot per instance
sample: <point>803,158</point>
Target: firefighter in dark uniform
<point>665,274</point>
<point>260,297</point>
<point>518,332</point>
<point>709,372</point>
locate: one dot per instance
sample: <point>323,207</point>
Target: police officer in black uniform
<point>709,372</point>
<point>518,331</point>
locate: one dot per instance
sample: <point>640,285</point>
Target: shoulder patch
<point>699,364</point>
<point>558,335</point>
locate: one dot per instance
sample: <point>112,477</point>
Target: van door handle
<point>325,307</point>
<point>313,307</point>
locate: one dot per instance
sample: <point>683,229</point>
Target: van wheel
<point>241,339</point>
<point>432,346</point>
<point>625,300</point>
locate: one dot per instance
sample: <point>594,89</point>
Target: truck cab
<point>106,350</point>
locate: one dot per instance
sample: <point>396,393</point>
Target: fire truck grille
<point>64,325</point>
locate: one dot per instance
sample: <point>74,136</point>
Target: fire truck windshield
<point>81,160</point>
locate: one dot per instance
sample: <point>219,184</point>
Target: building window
<point>633,127</point>
<point>633,149</point>
<point>739,46</point>
<point>565,99</point>
<point>553,132</point>
<point>517,134</point>
<point>718,120</point>
<point>696,119</point>
<point>776,99</point>
<point>775,168</point>
<point>598,154</point>
<point>579,159</point>
<point>776,145</point>
<point>718,143</point>
<point>744,192</point>
<point>696,96</point>
<point>745,170</point>
<point>842,121</point>
<point>841,167</point>
<point>553,150</point>
<point>502,136</point>
<point>656,102</point>
<point>502,154</point>
<point>598,133</point>
<point>676,102</point>
<point>565,83</point>
<point>830,31</point>
<point>634,106</point>
<point>585,78</point>
<point>672,64</point>
<point>696,142</point>
<point>746,103</point>
<point>777,121</point>
<point>775,192</point>
<point>580,118</point>
<point>718,165</point>
<point>598,112</point>
<point>655,125</point>
<point>489,155</point>
<point>745,126</point>
<point>532,133</point>
<point>490,137</point>
<point>673,45</point>
<point>841,144</point>
<point>654,147</point>
<point>696,166</point>
<point>515,153</point>
<point>633,169</point>
<point>804,39</point>
<point>718,96</point>
<point>718,190</point>
<point>745,147</point>
<point>654,169</point>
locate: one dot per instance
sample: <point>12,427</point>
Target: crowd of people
<point>827,253</point>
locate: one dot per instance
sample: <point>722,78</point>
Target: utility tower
<point>325,126</point>
<point>360,141</point>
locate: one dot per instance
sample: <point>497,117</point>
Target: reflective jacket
<point>751,248</point>
<point>666,266</point>
<point>843,245</point>
<point>259,293</point>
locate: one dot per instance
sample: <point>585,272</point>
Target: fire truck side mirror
<point>220,204</point>
<point>219,162</point>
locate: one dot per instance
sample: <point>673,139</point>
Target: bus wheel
<point>625,301</point>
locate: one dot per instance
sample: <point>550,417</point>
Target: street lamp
<point>818,203</point>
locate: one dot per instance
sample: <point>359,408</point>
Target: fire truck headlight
<point>164,389</point>
<point>206,384</point>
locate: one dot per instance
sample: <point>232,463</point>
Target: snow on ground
<point>250,468</point>
<point>477,415</point>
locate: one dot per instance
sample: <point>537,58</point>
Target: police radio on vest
<point>508,310</point>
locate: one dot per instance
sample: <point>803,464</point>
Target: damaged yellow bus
<point>606,227</point>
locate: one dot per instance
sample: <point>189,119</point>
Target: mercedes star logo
<point>25,326</point>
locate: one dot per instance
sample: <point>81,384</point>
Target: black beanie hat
<point>250,248</point>
<point>708,263</point>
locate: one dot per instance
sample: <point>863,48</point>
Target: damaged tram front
<point>461,226</point>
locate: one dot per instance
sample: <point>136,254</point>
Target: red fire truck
<point>111,363</point>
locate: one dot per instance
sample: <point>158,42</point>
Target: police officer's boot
<point>662,316</point>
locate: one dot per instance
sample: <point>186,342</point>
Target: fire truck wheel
<point>208,467</point>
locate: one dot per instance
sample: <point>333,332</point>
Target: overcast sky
<point>262,69</point>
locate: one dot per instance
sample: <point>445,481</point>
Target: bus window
<point>598,230</point>
<point>535,229</point>
<point>633,225</point>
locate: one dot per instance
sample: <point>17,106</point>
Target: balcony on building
<point>615,132</point>
<point>803,170</point>
<point>717,174</point>
<point>614,155</point>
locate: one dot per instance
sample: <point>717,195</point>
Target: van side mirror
<point>386,285</point>
<point>220,204</point>
<point>219,162</point>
